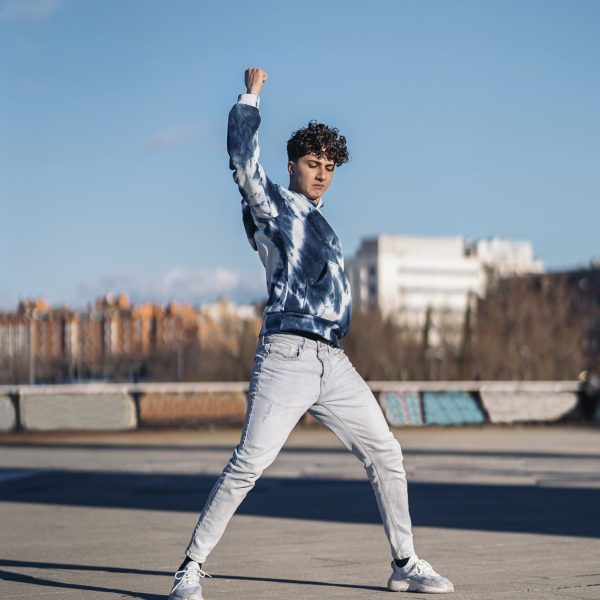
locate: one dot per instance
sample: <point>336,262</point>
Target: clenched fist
<point>255,79</point>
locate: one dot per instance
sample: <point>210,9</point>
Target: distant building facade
<point>37,339</point>
<point>411,277</point>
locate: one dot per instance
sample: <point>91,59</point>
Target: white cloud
<point>196,286</point>
<point>28,10</point>
<point>169,137</point>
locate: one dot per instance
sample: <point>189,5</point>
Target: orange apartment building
<point>38,336</point>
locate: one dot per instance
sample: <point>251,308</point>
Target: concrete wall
<point>506,407</point>
<point>122,407</point>
<point>457,407</point>
<point>8,414</point>
<point>401,408</point>
<point>452,407</point>
<point>43,411</point>
<point>189,408</point>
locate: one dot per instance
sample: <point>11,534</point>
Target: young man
<point>299,365</point>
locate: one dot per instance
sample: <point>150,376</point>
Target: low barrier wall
<point>431,408</point>
<point>8,414</point>
<point>464,408</point>
<point>504,407</point>
<point>105,407</point>
<point>192,408</point>
<point>97,410</point>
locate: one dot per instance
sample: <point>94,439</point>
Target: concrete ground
<point>505,512</point>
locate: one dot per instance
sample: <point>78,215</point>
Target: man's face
<point>311,175</point>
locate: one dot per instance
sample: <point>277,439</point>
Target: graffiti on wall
<point>431,408</point>
<point>451,408</point>
<point>455,407</point>
<point>401,408</point>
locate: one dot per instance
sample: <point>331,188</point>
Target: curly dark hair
<point>318,139</point>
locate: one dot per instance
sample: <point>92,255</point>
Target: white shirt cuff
<point>250,99</point>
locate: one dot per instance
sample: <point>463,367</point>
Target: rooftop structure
<point>411,276</point>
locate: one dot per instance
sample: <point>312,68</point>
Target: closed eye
<point>314,165</point>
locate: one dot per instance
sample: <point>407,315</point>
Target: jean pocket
<point>283,350</point>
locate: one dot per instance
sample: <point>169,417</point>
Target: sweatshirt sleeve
<point>242,146</point>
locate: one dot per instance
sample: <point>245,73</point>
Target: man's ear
<point>291,166</point>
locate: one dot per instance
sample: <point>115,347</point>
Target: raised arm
<point>242,146</point>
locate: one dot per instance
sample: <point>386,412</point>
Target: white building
<point>407,276</point>
<point>223,309</point>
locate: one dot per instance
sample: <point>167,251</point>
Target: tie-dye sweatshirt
<point>307,288</point>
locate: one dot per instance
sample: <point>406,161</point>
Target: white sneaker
<point>187,583</point>
<point>418,576</point>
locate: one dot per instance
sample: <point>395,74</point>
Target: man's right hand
<point>255,79</point>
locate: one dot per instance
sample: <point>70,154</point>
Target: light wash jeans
<point>293,374</point>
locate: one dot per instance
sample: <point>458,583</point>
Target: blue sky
<point>477,118</point>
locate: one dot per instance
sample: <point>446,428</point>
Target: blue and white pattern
<point>401,408</point>
<point>452,407</point>
<point>307,287</point>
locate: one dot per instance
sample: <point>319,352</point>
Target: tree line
<point>538,327</point>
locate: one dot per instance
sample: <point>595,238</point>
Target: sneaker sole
<point>404,585</point>
<point>398,585</point>
<point>194,596</point>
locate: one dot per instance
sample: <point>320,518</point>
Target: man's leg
<point>349,409</point>
<point>284,383</point>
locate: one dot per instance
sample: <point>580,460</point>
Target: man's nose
<point>321,175</point>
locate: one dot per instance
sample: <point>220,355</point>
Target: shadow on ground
<point>508,508</point>
<point>63,585</point>
<point>40,581</point>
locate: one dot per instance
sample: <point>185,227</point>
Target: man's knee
<point>385,456</point>
<point>243,469</point>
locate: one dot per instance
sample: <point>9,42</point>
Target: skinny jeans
<point>292,375</point>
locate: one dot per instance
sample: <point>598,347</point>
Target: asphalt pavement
<point>505,512</point>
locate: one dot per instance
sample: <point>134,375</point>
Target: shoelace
<point>423,567</point>
<point>189,576</point>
